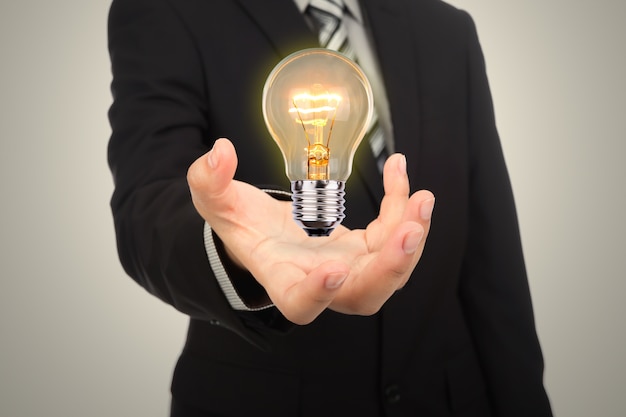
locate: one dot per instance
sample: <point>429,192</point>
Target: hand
<point>351,271</point>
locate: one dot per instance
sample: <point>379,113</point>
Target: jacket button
<point>214,322</point>
<point>392,394</point>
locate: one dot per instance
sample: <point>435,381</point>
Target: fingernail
<point>412,241</point>
<point>213,158</point>
<point>402,164</point>
<point>334,281</point>
<point>426,210</point>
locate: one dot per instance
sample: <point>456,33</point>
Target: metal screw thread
<point>318,205</point>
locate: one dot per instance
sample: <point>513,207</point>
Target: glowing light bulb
<point>317,105</point>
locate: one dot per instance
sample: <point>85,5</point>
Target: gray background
<point>79,338</point>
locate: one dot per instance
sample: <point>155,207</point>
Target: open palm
<point>351,271</point>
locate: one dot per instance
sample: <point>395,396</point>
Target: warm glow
<point>317,104</point>
<point>314,112</point>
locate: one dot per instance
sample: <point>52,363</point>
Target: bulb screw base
<point>318,205</point>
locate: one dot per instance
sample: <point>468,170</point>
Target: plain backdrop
<point>79,338</point>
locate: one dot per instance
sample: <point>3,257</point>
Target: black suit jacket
<point>458,340</point>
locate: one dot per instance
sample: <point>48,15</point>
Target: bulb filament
<point>314,111</point>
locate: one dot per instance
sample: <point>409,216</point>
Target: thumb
<point>211,174</point>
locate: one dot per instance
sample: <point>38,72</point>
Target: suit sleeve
<point>159,122</point>
<point>494,287</point>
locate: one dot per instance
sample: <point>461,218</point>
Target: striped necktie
<point>328,14</point>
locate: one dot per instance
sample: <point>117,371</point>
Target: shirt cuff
<point>224,281</point>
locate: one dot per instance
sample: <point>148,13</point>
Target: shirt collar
<point>351,5</point>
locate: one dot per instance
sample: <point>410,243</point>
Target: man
<point>286,325</point>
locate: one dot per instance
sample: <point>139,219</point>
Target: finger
<point>396,183</point>
<point>409,238</point>
<point>302,300</point>
<point>395,179</point>
<point>397,259</point>
<point>420,208</point>
<point>209,176</point>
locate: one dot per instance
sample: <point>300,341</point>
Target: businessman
<point>389,315</point>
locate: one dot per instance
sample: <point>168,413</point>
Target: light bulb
<point>317,106</point>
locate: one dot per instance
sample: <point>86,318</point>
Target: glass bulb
<point>317,106</point>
